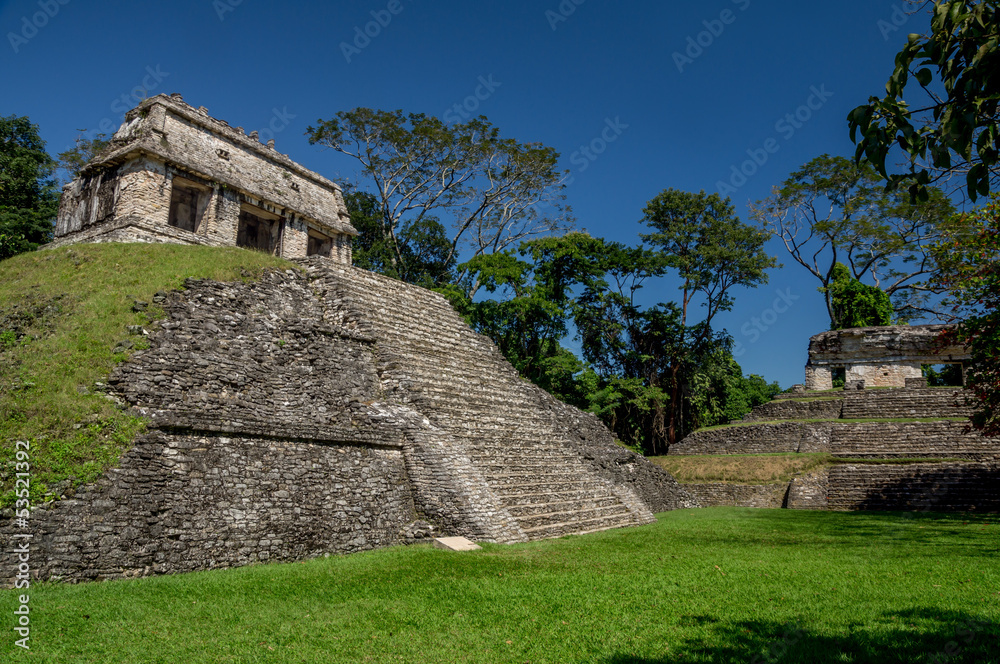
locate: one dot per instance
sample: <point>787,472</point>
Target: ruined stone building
<point>880,356</point>
<point>886,411</point>
<point>175,174</point>
<point>322,409</point>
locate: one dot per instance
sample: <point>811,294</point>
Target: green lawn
<point>713,585</point>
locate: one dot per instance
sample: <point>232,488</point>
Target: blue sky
<point>692,90</point>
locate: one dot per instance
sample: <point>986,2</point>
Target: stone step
<point>583,502</point>
<point>526,499</point>
<point>579,527</point>
<point>573,516</point>
<point>530,478</point>
<point>494,470</point>
<point>542,486</point>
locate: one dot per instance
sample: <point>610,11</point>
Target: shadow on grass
<point>880,527</point>
<point>915,636</point>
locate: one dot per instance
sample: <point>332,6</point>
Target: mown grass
<point>740,468</point>
<point>62,314</point>
<point>715,585</point>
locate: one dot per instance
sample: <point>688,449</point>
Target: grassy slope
<point>62,312</point>
<point>714,585</point>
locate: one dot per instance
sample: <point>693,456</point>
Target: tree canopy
<point>463,182</point>
<point>951,128</point>
<point>833,211</point>
<point>970,273</point>
<point>28,197</point>
<point>856,304</point>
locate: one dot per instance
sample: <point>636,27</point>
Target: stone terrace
<point>430,359</point>
<point>332,411</point>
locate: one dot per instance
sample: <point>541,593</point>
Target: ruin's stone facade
<point>332,410</point>
<point>879,461</point>
<point>879,356</point>
<point>175,174</point>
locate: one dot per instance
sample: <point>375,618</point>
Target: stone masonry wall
<point>758,439</point>
<point>824,409</point>
<point>596,446</point>
<point>809,491</point>
<point>180,503</point>
<point>924,487</point>
<point>910,439</point>
<point>905,403</point>
<point>332,411</point>
<point>722,494</point>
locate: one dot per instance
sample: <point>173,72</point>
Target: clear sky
<point>685,91</point>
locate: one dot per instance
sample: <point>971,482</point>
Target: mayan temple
<point>321,410</point>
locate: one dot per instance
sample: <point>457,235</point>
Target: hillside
<point>64,323</point>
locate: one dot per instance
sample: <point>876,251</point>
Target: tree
<point>719,393</point>
<point>954,131</point>
<point>82,153</point>
<point>834,211</point>
<point>628,345</point>
<point>630,352</point>
<point>28,198</point>
<point>423,244</point>
<point>856,304</point>
<point>529,322</point>
<point>488,190</point>
<point>712,252</point>
<point>970,272</point>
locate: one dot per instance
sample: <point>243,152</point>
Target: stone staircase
<point>924,487</point>
<point>880,464</point>
<point>431,361</point>
<point>906,403</point>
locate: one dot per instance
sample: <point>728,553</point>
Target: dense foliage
<point>970,259</point>
<point>28,197</point>
<point>856,304</point>
<point>953,129</point>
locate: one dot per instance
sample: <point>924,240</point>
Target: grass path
<point>713,585</point>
